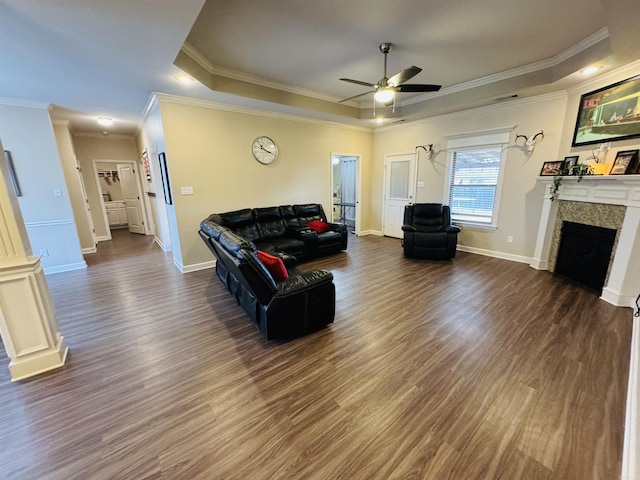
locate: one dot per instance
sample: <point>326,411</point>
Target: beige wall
<point>151,138</point>
<point>99,147</point>
<point>69,166</point>
<point>27,133</point>
<point>521,200</point>
<point>210,150</point>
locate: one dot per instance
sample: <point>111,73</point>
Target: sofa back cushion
<point>241,222</point>
<point>309,212</point>
<point>255,276</point>
<point>269,222</point>
<point>428,217</point>
<point>289,216</point>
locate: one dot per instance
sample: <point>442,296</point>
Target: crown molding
<point>115,136</point>
<point>572,51</point>
<point>60,121</point>
<point>613,76</point>
<point>204,62</point>
<point>165,97</point>
<point>520,102</point>
<point>16,102</point>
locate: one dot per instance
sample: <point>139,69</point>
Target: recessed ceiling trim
<point>204,62</point>
<point>16,102</point>
<point>251,111</point>
<point>612,76</point>
<point>581,46</point>
<point>546,97</point>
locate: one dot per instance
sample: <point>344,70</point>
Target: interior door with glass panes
<point>399,173</point>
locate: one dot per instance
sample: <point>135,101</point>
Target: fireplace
<point>584,254</point>
<point>608,201</point>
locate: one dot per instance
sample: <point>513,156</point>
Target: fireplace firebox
<point>584,254</point>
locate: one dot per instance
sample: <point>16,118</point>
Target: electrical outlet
<point>510,239</point>
<point>44,252</point>
<point>186,190</point>
<point>57,192</point>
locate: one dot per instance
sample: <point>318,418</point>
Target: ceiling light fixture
<point>590,70</point>
<point>184,79</point>
<point>384,95</point>
<point>105,121</point>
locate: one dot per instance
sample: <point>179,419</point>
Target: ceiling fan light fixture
<point>384,95</point>
<point>105,121</point>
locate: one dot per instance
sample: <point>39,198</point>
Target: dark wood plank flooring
<point>478,368</point>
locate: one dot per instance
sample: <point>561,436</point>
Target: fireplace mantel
<point>623,284</point>
<point>607,189</point>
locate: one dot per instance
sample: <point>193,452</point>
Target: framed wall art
<point>609,114</point>
<point>12,173</point>
<point>164,173</point>
<point>625,162</point>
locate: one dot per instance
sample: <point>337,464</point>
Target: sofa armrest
<point>338,227</point>
<point>303,282</point>
<point>289,260</point>
<point>452,229</point>
<point>409,228</point>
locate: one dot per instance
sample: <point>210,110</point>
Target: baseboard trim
<point>377,233</point>
<point>160,244</point>
<point>86,251</point>
<point>65,268</point>
<point>103,238</point>
<point>632,421</point>
<point>198,266</point>
<point>494,254</point>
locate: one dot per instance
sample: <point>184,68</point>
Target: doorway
<point>345,191</point>
<point>399,185</point>
<point>119,194</point>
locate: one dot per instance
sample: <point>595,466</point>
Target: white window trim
<point>491,138</point>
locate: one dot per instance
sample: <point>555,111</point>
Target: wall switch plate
<point>186,190</point>
<point>44,252</point>
<point>510,239</point>
<point>57,192</point>
<point>420,184</point>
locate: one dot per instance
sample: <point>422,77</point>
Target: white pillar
<point>540,260</point>
<point>624,278</point>
<point>28,324</point>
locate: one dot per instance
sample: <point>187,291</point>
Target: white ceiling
<point>89,57</point>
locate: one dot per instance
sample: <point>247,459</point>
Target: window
<point>473,184</point>
<point>474,175</point>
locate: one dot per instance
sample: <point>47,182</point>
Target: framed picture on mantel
<point>625,162</point>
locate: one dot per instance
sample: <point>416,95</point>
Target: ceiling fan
<point>386,88</point>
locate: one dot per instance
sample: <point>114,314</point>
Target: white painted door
<point>131,198</point>
<point>399,173</point>
<point>87,206</point>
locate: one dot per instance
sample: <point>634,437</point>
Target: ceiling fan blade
<point>356,96</point>
<point>358,82</point>
<point>417,87</point>
<point>404,75</point>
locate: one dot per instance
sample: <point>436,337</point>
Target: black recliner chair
<point>428,232</point>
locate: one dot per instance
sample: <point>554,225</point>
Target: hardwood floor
<point>478,368</point>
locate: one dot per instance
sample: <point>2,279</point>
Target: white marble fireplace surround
<point>623,283</point>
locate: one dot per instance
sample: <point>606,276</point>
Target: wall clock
<point>264,150</point>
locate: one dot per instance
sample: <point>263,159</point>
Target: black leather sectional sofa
<point>283,308</point>
<point>284,229</point>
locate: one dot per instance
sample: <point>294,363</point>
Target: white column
<point>540,260</point>
<point>624,278</point>
<point>28,324</point>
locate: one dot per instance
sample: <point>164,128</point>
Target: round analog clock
<point>265,150</point>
